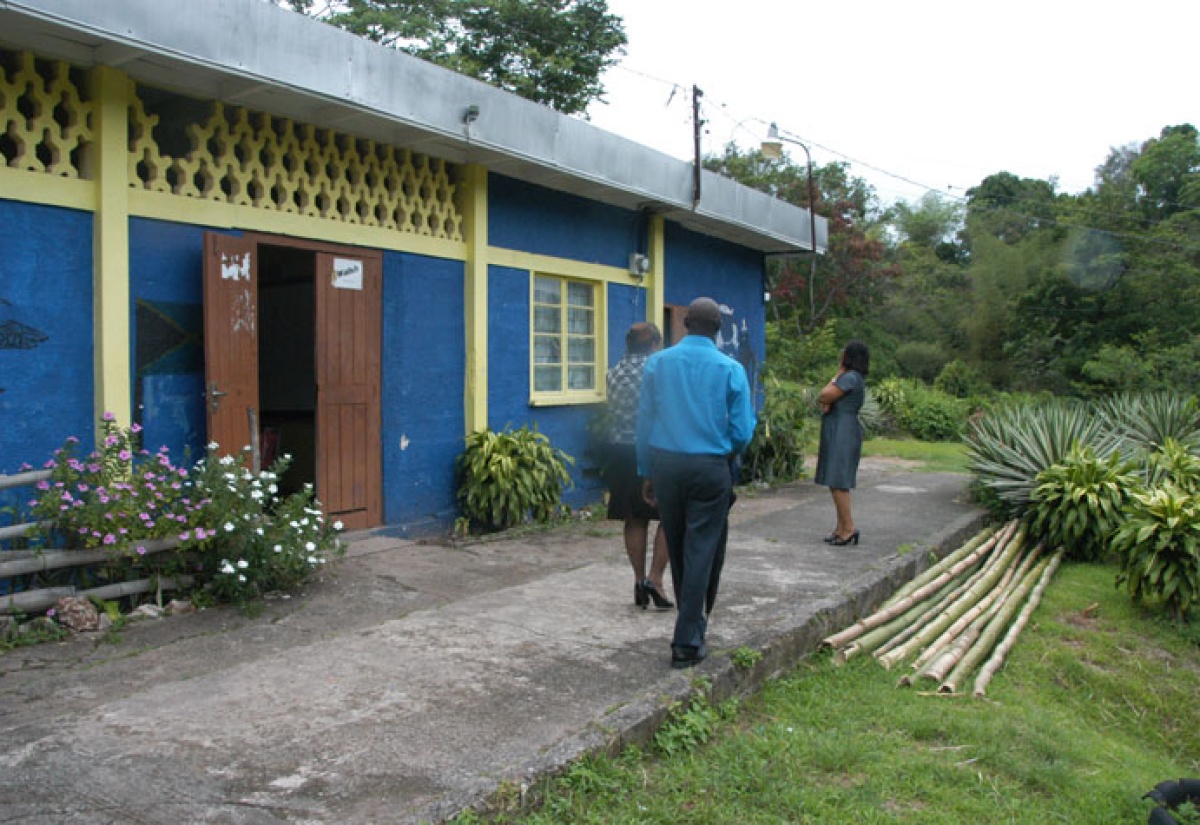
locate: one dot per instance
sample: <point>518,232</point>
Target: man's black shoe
<point>682,657</point>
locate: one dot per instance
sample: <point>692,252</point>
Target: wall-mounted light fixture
<point>639,265</point>
<point>470,115</point>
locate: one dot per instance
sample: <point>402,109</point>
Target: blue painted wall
<point>46,378</point>
<point>508,383</point>
<point>533,219</point>
<point>166,272</point>
<point>729,274</point>
<point>424,354</point>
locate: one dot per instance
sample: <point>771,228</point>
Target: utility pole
<point>697,123</point>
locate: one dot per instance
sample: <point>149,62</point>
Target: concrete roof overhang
<point>252,53</point>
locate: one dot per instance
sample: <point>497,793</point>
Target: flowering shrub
<point>234,534</point>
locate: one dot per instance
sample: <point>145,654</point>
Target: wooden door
<point>231,341</point>
<point>349,318</point>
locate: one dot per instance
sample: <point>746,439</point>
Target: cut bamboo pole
<point>936,570</point>
<point>983,586</point>
<point>944,654</point>
<point>987,638</point>
<point>868,642</point>
<point>35,601</point>
<point>992,665</point>
<point>903,605</point>
<point>58,559</point>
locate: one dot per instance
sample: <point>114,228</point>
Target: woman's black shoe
<point>830,538</point>
<point>640,597</point>
<point>838,541</point>
<point>660,601</point>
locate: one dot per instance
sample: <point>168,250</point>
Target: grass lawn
<point>935,457</point>
<point>1097,703</point>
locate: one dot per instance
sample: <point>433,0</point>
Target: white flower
<point>226,567</point>
<point>312,560</point>
<point>310,547</point>
<point>241,578</point>
<point>212,445</point>
<point>230,527</point>
<point>256,494</point>
<point>272,489</point>
<point>337,525</point>
<point>258,530</point>
<point>230,476</point>
<point>243,564</point>
<point>278,548</point>
<point>294,524</point>
<point>304,522</point>
<point>226,460</point>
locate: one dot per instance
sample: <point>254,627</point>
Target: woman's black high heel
<point>838,541</point>
<point>660,601</point>
<point>640,597</point>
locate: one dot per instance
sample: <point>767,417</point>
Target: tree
<point>549,51</point>
<point>848,278</point>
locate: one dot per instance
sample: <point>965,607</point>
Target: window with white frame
<point>566,353</point>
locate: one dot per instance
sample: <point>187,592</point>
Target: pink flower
<point>109,538</point>
<point>72,439</point>
<point>111,441</point>
<point>185,536</point>
<point>135,427</point>
<point>141,551</point>
<point>125,455</point>
<point>43,485</point>
<point>108,416</point>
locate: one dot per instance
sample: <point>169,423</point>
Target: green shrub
<point>921,360</point>
<point>1158,546</point>
<point>775,454</point>
<point>959,380</point>
<point>236,537</point>
<point>917,410</point>
<point>1175,464</point>
<point>1078,502</point>
<point>509,477</point>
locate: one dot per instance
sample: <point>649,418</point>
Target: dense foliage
<point>549,51</point>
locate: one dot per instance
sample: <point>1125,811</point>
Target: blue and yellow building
<point>230,223</point>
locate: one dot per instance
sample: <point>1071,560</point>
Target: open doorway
<point>292,340</point>
<point>287,377</point>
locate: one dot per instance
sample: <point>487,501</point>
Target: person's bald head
<point>703,317</point>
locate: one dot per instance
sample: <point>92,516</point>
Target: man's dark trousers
<point>693,505</point>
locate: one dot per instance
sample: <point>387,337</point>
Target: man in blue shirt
<point>695,415</point>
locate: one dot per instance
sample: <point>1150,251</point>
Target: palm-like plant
<point>1008,447</point>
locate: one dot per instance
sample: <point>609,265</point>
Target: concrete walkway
<point>416,680</point>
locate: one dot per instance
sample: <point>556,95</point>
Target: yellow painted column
<point>656,252</point>
<point>110,241</point>
<point>475,224</point>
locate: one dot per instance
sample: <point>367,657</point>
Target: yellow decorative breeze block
<point>272,163</point>
<point>45,121</point>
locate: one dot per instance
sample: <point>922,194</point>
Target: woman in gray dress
<point>842,437</point>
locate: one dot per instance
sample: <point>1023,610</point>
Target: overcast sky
<point>941,93</point>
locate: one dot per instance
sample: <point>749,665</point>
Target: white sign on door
<point>347,273</point>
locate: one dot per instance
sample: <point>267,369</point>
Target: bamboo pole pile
<point>959,618</point>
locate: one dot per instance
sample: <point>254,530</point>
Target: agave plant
<point>1139,424</point>
<point>1008,447</point>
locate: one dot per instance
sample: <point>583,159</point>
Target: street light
<point>772,149</point>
